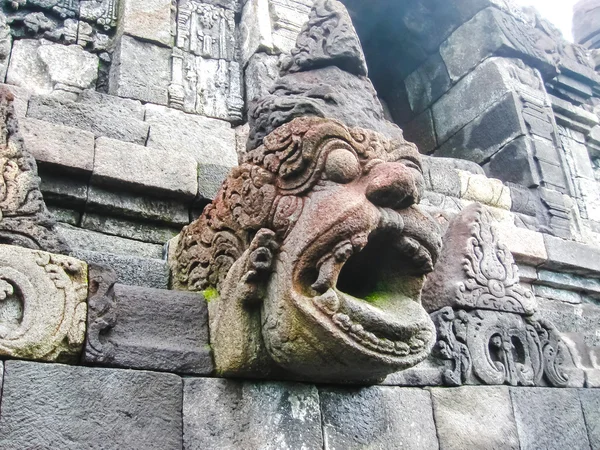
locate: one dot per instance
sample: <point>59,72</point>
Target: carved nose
<point>392,185</point>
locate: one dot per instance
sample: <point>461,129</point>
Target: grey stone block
<point>22,96</point>
<point>143,169</point>
<point>389,417</point>
<point>475,417</point>
<point>131,229</point>
<point>590,403</point>
<point>260,75</point>
<point>57,406</point>
<point>64,215</point>
<point>572,256</point>
<point>67,191</point>
<point>149,20</point>
<point>514,163</point>
<point>152,329</point>
<point>210,179</point>
<point>441,177</point>
<point>420,131</point>
<point>78,238</point>
<point>482,138</point>
<point>103,115</point>
<point>166,211</point>
<point>549,418</point>
<point>583,319</point>
<point>557,294</point>
<point>222,413</point>
<point>141,71</point>
<point>130,270</point>
<point>590,286</point>
<point>57,145</point>
<point>209,141</point>
<point>427,84</point>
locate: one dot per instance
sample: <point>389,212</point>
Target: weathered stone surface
<point>389,418</point>
<point>43,305</point>
<point>479,140</point>
<point>287,20</point>
<point>210,141</point>
<point>64,215</point>
<point>44,67</point>
<point>67,191</point>
<point>51,405</point>
<point>582,319</point>
<point>21,95</point>
<point>426,373</point>
<point>141,71</point>
<point>102,12</point>
<point>515,163</point>
<point>590,286</point>
<point>301,225</point>
<point>475,417</point>
<point>260,75</point>
<point>590,403</point>
<point>130,270</point>
<point>147,20</point>
<point>560,426</point>
<point>24,219</point>
<point>526,246</point>
<point>255,30</point>
<point>210,179</point>
<point>420,131</point>
<point>222,413</point>
<point>79,238</point>
<point>489,191</point>
<point>144,169</point>
<point>5,46</point>
<point>427,84</point>
<point>103,115</point>
<point>164,211</point>
<point>144,328</point>
<point>65,147</point>
<point>131,229</point>
<point>574,256</point>
<point>557,294</point>
<point>586,22</point>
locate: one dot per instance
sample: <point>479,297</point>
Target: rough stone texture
<point>101,114</point>
<point>287,20</point>
<point>590,286</point>
<point>131,270</point>
<point>56,406</point>
<point>583,319</point>
<point>147,20</point>
<point>590,403</point>
<point>549,418</point>
<point>574,256</point>
<point>557,294</point>
<point>475,417</point>
<point>65,215</point>
<point>427,84</point>
<point>21,101</point>
<point>144,169</point>
<point>43,305</point>
<point>222,413</point>
<point>65,147</point>
<point>210,179</point>
<point>210,141</point>
<point>144,328</point>
<point>255,30</point>
<point>420,131</point>
<point>44,67</point>
<point>377,418</point>
<point>5,46</point>
<point>131,229</point>
<point>141,71</point>
<point>489,191</point>
<point>260,75</point>
<point>79,238</point>
<point>164,211</point>
<point>525,245</point>
<point>66,191</point>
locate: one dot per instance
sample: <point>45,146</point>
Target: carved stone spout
<point>313,257</point>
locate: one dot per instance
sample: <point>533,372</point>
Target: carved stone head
<point>313,257</point>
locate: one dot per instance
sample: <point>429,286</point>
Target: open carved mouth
<point>369,285</point>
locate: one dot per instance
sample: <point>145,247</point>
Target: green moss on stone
<point>210,294</point>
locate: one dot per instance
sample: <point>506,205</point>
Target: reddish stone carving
<point>313,257</point>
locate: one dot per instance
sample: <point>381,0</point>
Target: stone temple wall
<point>136,110</point>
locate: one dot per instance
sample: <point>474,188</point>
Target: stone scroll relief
<point>206,78</point>
<point>42,305</point>
<point>313,256</point>
<point>486,325</point>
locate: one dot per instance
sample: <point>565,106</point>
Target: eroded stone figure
<point>313,257</point>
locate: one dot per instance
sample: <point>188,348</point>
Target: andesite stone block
<point>527,246</point>
<point>65,215</point>
<point>475,417</point>
<point>489,191</point>
<point>144,169</point>
<point>221,413</point>
<point>590,403</point>
<point>260,75</point>
<point>66,147</point>
<point>255,29</point>
<point>140,70</point>
<point>153,329</point>
<point>210,179</point>
<point>590,286</point>
<point>549,418</point>
<point>377,417</point>
<point>420,131</point>
<point>514,163</point>
<point>427,84</point>
<point>572,256</point>
<point>79,238</point>
<point>210,141</point>
<point>73,407</point>
<point>583,319</point>
<point>131,229</point>
<point>43,305</point>
<point>131,270</point>
<point>103,115</point>
<point>22,96</point>
<point>67,191</point>
<point>149,20</point>
<point>557,294</point>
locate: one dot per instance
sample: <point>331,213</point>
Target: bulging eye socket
<point>342,166</point>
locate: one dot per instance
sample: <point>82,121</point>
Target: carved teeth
<point>329,266</point>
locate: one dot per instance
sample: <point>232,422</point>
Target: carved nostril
<point>392,185</point>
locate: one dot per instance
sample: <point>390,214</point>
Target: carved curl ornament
<point>313,257</point>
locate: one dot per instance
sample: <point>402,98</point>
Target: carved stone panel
<point>42,305</point>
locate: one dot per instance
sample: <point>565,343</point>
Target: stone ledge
<point>571,256</point>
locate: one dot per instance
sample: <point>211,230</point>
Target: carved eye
<point>342,166</point>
